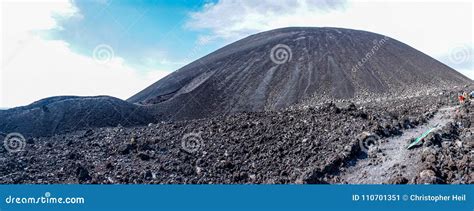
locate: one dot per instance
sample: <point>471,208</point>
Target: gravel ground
<point>448,153</point>
<point>389,160</point>
<point>304,145</point>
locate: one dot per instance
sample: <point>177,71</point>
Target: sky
<point>119,47</point>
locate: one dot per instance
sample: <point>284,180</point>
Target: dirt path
<point>391,157</point>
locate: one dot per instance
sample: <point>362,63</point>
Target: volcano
<point>268,71</point>
<point>290,66</point>
<point>261,81</point>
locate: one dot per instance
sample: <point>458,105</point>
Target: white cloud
<point>233,19</point>
<point>433,27</point>
<point>35,68</point>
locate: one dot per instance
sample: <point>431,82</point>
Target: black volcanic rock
<point>312,145</point>
<point>322,64</point>
<point>69,113</point>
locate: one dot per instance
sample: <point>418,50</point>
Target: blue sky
<point>119,47</point>
<point>148,34</point>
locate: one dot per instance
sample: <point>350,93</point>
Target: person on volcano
<point>461,99</point>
